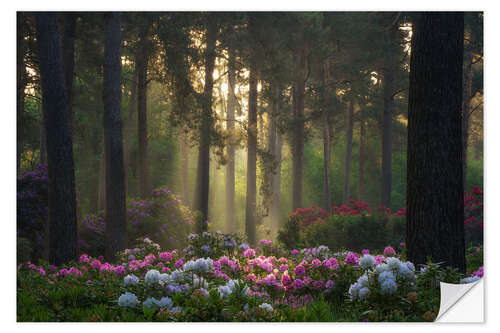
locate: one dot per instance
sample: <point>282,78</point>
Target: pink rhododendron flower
<point>365,251</point>
<point>295,252</point>
<point>351,259</point>
<point>84,258</point>
<point>95,264</point>
<point>389,251</point>
<point>179,264</point>
<point>331,263</point>
<point>165,256</point>
<point>299,270</point>
<point>249,253</point>
<point>298,284</point>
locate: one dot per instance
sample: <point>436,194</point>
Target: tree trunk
<point>68,53</point>
<point>348,153</point>
<point>43,137</point>
<point>435,215</point>
<point>142,112</point>
<point>116,218</point>
<point>300,63</point>
<point>101,194</point>
<point>230,179</point>
<point>385,197</point>
<point>251,196</point>
<point>327,194</point>
<point>21,85</point>
<point>129,125</point>
<point>61,199</point>
<point>276,203</point>
<point>184,147</point>
<point>362,153</point>
<point>203,175</point>
<point>467,96</point>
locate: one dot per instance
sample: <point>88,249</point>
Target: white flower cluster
<point>199,265</point>
<point>367,262</point>
<point>130,279</point>
<point>387,275</point>
<point>127,299</point>
<point>266,307</point>
<point>153,303</point>
<point>152,276</point>
<point>360,289</point>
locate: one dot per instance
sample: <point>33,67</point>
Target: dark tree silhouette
<point>251,198</point>
<point>62,199</point>
<point>435,215</point>
<point>68,53</point>
<point>203,169</point>
<point>142,111</point>
<point>230,178</point>
<point>116,218</point>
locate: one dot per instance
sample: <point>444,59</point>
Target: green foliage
<point>353,232</point>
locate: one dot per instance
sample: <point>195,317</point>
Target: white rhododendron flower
<point>388,287</point>
<point>266,307</point>
<point>130,279</point>
<point>127,299</point>
<point>367,261</point>
<point>152,276</point>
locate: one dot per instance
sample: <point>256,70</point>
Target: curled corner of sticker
<point>461,303</point>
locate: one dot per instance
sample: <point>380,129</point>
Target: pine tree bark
<point>21,85</point>
<point>68,53</point>
<point>300,64</point>
<point>467,96</point>
<point>348,153</point>
<point>184,148</point>
<point>362,153</point>
<point>386,188</point>
<point>251,195</point>
<point>435,208</point>
<point>142,113</point>
<point>203,169</point>
<point>127,147</point>
<point>327,194</point>
<point>61,172</point>
<point>116,218</point>
<point>274,146</point>
<point>101,194</point>
<point>230,178</point>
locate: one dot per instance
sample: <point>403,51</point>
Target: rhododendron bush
<point>355,225</point>
<point>217,277</point>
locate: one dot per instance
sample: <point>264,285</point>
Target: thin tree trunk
<point>21,85</point>
<point>129,125</point>
<point>386,188</point>
<point>327,195</point>
<point>43,136</point>
<point>142,112</point>
<point>230,179</point>
<point>251,197</point>
<point>62,198</point>
<point>274,147</point>
<point>101,194</point>
<point>348,153</point>
<point>435,215</point>
<point>362,153</point>
<point>116,218</point>
<point>203,169</point>
<point>185,168</point>
<point>276,203</point>
<point>68,53</point>
<point>298,137</point>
